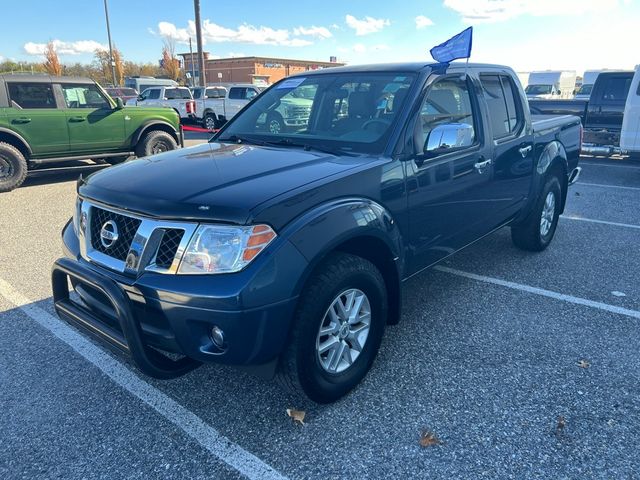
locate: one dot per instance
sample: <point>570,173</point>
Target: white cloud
<point>65,48</point>
<point>485,11</point>
<point>245,33</point>
<point>367,25</point>
<point>313,31</point>
<point>422,22</point>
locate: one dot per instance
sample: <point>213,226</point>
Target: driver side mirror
<point>447,137</point>
<point>119,103</point>
<point>140,98</point>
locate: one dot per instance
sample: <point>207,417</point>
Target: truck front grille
<point>168,247</point>
<point>126,228</point>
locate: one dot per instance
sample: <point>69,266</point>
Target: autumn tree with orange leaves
<point>170,64</point>
<point>52,62</point>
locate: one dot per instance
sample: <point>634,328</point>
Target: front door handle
<point>21,120</point>
<point>77,119</point>
<point>524,151</point>
<point>482,164</point>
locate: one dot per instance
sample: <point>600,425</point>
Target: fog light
<point>217,336</point>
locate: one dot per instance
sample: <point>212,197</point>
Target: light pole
<point>113,64</point>
<point>196,7</point>
<point>193,76</point>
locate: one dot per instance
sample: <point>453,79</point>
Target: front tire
<point>154,142</point>
<point>537,231</point>
<point>13,167</point>
<point>338,328</point>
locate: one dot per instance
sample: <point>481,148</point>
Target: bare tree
<point>52,62</point>
<point>170,64</point>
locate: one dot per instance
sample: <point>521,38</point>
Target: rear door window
<point>237,93</point>
<point>502,103</point>
<point>615,89</point>
<point>31,95</point>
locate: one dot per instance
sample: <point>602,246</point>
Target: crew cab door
<point>94,124</point>
<point>35,116</point>
<point>448,191</point>
<point>238,97</point>
<point>512,144</point>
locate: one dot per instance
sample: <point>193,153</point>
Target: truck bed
<point>560,107</point>
<point>543,123</point>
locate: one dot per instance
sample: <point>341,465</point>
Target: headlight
<point>224,249</point>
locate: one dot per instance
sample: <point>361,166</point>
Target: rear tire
<point>210,121</point>
<point>13,167</point>
<point>154,142</point>
<point>537,231</point>
<point>305,369</point>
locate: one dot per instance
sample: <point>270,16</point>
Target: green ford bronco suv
<point>49,119</point>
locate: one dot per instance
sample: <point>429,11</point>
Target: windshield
<point>538,89</point>
<point>585,90</point>
<point>344,111</point>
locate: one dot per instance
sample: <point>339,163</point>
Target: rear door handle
<point>524,151</point>
<point>21,120</point>
<point>482,164</point>
<point>77,119</point>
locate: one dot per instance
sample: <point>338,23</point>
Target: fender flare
<point>552,154</point>
<point>329,226</point>
<point>18,137</point>
<point>150,123</point>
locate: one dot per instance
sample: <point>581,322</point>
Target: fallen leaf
<point>297,415</point>
<point>429,439</point>
<point>584,364</point>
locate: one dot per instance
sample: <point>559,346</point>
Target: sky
<point>524,34</point>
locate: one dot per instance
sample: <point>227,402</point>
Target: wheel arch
<point>154,125</point>
<point>554,159</point>
<point>359,227</point>
<point>15,139</point>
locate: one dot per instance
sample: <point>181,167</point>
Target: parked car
<point>123,93</point>
<point>47,119</point>
<point>602,115</point>
<point>178,98</point>
<point>287,251</point>
<point>551,84</point>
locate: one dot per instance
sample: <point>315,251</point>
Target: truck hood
<point>210,182</point>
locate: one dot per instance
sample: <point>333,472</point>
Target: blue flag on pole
<point>458,46</point>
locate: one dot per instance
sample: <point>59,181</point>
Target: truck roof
<point>400,67</point>
<point>42,78</point>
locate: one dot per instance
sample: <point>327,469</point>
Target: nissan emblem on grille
<point>109,233</point>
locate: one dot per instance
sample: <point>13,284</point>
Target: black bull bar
<point>129,340</point>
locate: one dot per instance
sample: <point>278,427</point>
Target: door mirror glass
<point>447,137</point>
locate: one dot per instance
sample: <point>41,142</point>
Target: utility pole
<point>202,76</point>
<point>113,64</point>
<point>193,73</point>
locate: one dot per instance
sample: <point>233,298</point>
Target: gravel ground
<point>493,371</point>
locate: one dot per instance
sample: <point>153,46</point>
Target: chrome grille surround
<point>144,247</point>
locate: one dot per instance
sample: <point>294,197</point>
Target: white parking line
<point>604,185</point>
<point>603,222</point>
<point>228,452</point>
<point>541,291</point>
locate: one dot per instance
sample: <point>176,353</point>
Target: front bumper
<point>176,313</point>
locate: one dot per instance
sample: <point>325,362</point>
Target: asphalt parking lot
<point>523,365</point>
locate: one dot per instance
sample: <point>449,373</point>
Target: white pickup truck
<point>178,98</point>
<point>217,104</point>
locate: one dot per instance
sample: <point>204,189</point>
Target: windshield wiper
<point>287,142</point>
<point>241,139</point>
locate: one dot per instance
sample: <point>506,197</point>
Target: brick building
<point>257,70</point>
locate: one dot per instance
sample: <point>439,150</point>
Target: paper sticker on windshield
<point>291,83</point>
